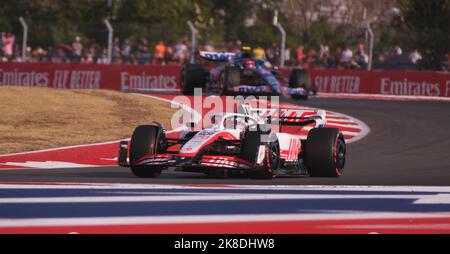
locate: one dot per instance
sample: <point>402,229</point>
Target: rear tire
<point>325,152</point>
<point>299,78</point>
<point>192,76</point>
<point>144,141</point>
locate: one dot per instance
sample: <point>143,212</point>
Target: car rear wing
<point>300,121</point>
<point>216,56</point>
<point>289,117</point>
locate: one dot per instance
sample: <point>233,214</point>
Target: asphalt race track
<point>409,144</point>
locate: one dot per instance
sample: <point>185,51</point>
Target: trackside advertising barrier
<point>400,83</point>
<point>137,78</point>
<point>156,78</point>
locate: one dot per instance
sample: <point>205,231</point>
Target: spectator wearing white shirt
<point>126,51</point>
<point>362,59</point>
<point>77,49</point>
<point>287,56</point>
<point>415,56</point>
<point>324,51</point>
<point>181,52</point>
<point>347,57</point>
<point>398,51</point>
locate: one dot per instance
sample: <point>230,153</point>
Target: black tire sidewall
<point>232,78</point>
<point>192,76</point>
<point>320,152</point>
<point>298,78</point>
<point>250,145</point>
<point>144,142</point>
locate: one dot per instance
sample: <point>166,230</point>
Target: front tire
<point>325,151</point>
<point>145,141</point>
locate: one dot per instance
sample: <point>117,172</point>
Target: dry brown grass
<point>38,118</point>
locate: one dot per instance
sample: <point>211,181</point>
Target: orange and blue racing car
<point>223,73</point>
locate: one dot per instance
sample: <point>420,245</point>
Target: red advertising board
<point>92,76</point>
<point>156,78</point>
<point>400,83</point>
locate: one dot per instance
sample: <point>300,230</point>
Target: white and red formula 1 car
<point>241,143</point>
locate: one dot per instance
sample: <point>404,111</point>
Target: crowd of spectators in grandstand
<point>123,52</point>
<point>143,52</point>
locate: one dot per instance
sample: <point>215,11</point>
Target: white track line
<point>436,199</point>
<point>143,220</point>
<point>49,164</point>
<point>62,148</point>
<point>216,197</point>
<point>125,186</point>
